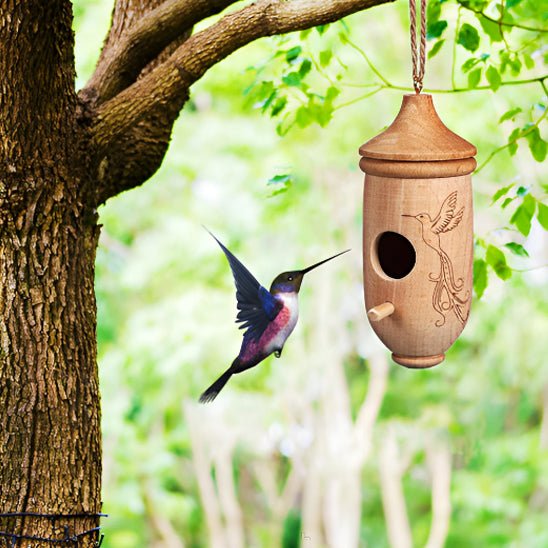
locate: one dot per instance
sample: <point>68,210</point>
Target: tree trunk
<point>50,443</point>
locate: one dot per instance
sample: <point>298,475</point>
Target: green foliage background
<point>265,155</point>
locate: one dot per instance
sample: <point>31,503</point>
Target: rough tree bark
<point>61,156</point>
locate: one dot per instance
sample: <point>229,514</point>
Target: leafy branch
<point>529,130</point>
<point>500,21</point>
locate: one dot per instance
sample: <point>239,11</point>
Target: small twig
<point>539,267</point>
<point>358,99</point>
<point>454,54</point>
<point>369,63</point>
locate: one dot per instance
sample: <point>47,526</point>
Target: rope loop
<point>418,53</point>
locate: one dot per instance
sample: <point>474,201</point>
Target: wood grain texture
<point>434,213</point>
<point>418,135</point>
<point>381,311</point>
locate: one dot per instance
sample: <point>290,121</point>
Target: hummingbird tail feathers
<point>211,393</point>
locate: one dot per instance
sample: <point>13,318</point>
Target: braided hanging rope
<point>418,53</point>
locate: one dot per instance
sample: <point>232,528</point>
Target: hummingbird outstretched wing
<point>446,219</point>
<point>257,306</point>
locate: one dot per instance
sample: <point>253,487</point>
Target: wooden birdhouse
<point>417,233</point>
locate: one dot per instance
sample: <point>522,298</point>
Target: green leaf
<point>529,61</point>
<point>306,65</point>
<point>433,11</point>
<point>515,66</point>
<point>303,117</point>
<point>507,202</point>
<point>468,37</point>
<point>322,28</point>
<point>292,79</point>
<point>474,78</point>
<point>542,215</point>
<point>480,277</point>
<point>278,106</point>
<point>501,192</point>
<point>497,261</point>
<point>490,28</point>
<point>523,215</point>
<point>517,249</point>
<point>537,145</point>
<point>435,30</point>
<point>469,63</point>
<point>435,49</point>
<point>511,3</point>
<point>280,179</point>
<point>331,93</point>
<point>493,77</point>
<point>512,138</point>
<point>325,57</point>
<point>474,5</point>
<point>268,101</point>
<point>293,53</point>
<point>522,191</point>
<point>509,114</point>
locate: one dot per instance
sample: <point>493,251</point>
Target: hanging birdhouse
<point>417,233</point>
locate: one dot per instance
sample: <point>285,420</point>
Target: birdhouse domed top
<point>417,135</point>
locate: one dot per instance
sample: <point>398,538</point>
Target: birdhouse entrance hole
<point>396,255</point>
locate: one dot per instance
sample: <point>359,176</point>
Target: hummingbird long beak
<point>412,216</point>
<point>305,270</point>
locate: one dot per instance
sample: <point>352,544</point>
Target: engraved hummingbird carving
<point>269,317</point>
<point>446,291</point>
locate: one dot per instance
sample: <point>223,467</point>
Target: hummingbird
<point>269,317</point>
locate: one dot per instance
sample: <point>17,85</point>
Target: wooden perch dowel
<point>380,311</point>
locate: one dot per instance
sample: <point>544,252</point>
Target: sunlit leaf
<point>468,37</point>
<point>325,57</point>
<point>501,192</point>
<point>435,49</point>
<point>306,65</point>
<point>278,106</point>
<point>293,53</point>
<point>497,261</point>
<point>435,30</point>
<point>474,77</point>
<point>510,114</point>
<point>280,179</point>
<point>507,202</point>
<point>523,215</point>
<point>490,28</point>
<point>493,77</point>
<point>542,215</point>
<point>292,79</point>
<point>517,249</point>
<point>537,145</point>
<point>480,277</point>
<point>512,138</point>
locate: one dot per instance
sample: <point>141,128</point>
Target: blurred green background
<point>333,444</point>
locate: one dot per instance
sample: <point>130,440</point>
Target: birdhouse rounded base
<point>418,362</point>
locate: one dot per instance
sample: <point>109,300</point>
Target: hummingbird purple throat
<point>269,317</point>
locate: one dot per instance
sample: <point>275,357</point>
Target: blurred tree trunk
<point>50,444</point>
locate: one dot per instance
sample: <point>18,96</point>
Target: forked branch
<point>144,41</point>
<point>166,87</point>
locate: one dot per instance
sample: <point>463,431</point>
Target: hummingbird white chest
<point>285,320</point>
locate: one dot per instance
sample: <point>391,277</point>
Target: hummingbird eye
<point>290,278</point>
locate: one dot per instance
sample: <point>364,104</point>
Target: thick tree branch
<point>142,42</point>
<point>166,88</point>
